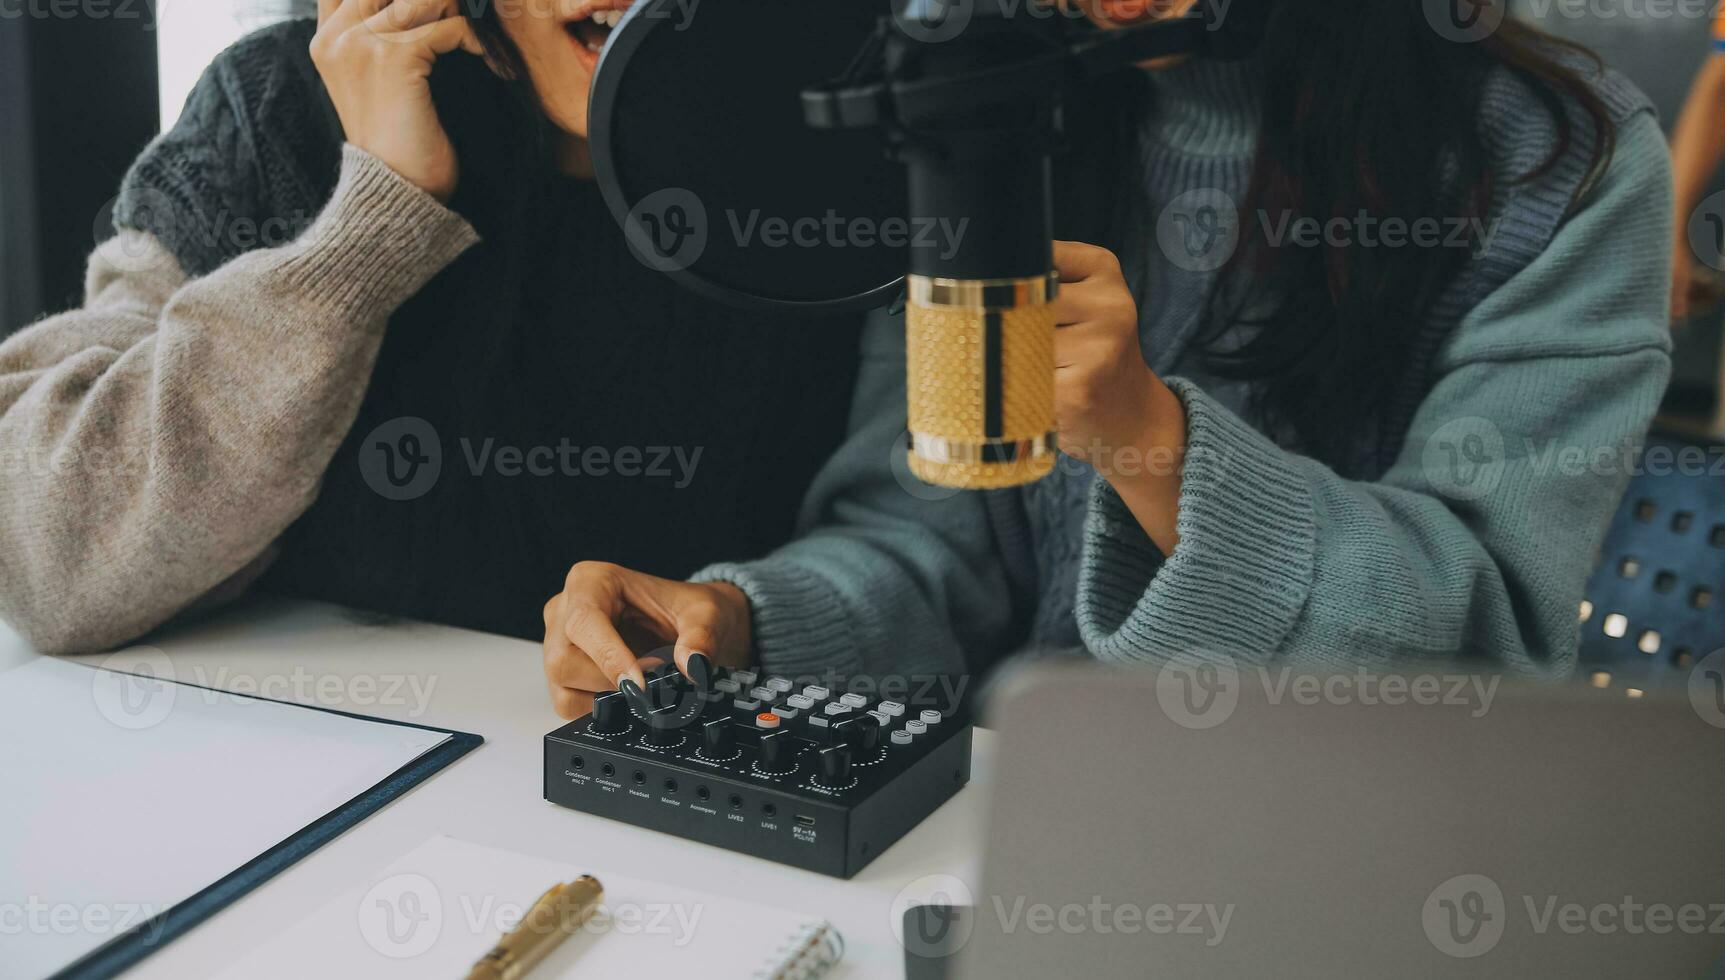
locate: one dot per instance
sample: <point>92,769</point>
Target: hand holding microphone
<point>1110,409</point>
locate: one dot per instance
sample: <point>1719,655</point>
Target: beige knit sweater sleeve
<point>156,441</point>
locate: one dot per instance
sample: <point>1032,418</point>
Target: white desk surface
<point>494,687</point>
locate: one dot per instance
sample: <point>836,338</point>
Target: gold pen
<point>554,918</point>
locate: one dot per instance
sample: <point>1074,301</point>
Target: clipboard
<point>213,710</point>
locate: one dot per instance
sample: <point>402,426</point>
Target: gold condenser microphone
<point>980,380</point>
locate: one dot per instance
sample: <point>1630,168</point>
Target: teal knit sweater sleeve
<point>888,577</point>
<point>1478,540</point>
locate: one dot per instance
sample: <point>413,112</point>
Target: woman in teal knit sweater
<point>1385,418</point>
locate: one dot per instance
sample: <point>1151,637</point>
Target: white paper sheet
<point>439,908</point>
<point>122,795</point>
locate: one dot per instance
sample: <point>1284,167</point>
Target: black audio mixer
<point>806,776</point>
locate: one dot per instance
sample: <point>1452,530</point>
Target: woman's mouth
<point>591,26</point>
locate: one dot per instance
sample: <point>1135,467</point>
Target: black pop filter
<point>701,150</point>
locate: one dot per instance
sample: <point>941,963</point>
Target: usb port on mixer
<point>805,820</point>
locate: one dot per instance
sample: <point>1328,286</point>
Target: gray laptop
<point>1212,821</point>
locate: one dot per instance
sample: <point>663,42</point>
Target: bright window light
<point>190,33</point>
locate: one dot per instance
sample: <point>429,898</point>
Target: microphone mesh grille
<point>947,379</point>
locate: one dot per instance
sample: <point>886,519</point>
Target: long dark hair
<point>1369,109</point>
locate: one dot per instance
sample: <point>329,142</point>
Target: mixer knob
<point>664,736</point>
<point>666,690</point>
<point>860,732</point>
<point>610,713</point>
<point>778,751</point>
<point>835,763</point>
<point>718,739</point>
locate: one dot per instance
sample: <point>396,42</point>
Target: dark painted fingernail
<point>700,669</point>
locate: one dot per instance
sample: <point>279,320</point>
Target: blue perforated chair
<point>1654,604</point>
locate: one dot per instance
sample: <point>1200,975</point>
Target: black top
<point>571,403</point>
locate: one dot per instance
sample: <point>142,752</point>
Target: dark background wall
<point>1660,53</point>
<point>78,99</point>
<point>77,103</point>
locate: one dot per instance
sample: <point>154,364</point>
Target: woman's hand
<point>1111,409</point>
<point>375,57</point>
<point>606,616</point>
<point>1682,277</point>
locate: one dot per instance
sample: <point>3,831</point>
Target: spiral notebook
<point>442,905</point>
